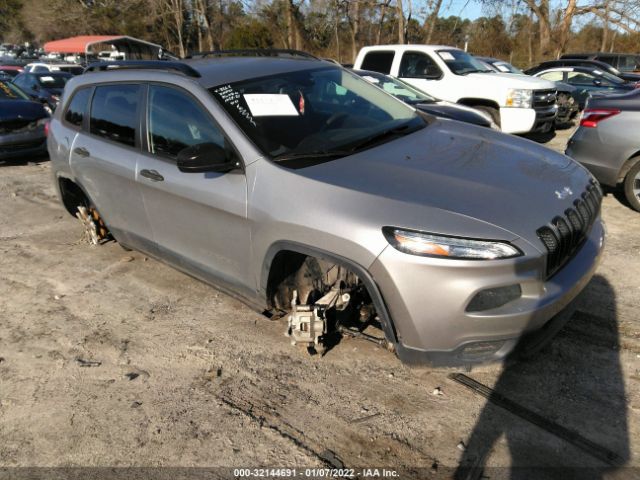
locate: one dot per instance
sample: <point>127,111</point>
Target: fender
<point>361,272</point>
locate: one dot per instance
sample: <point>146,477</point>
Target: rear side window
<point>418,65</point>
<point>554,76</point>
<point>176,121</point>
<point>114,113</point>
<point>378,61</point>
<point>77,107</point>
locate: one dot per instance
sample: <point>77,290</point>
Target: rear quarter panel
<point>605,150</point>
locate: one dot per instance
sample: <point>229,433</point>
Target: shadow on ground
<point>580,389</point>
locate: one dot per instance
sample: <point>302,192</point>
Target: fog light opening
<point>491,298</point>
<point>481,350</point>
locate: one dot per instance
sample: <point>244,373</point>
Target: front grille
<point>564,235</point>
<point>544,98</point>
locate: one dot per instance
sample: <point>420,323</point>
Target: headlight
<point>441,246</point>
<point>519,98</point>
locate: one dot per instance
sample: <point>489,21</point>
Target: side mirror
<point>205,157</point>
<point>597,83</point>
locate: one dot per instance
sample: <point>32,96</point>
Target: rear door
<point>199,220</point>
<point>104,158</point>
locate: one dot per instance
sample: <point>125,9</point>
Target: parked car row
<point>516,103</point>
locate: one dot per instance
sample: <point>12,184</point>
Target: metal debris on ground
<point>88,363</point>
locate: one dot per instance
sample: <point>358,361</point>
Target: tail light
<point>46,129</point>
<point>592,116</point>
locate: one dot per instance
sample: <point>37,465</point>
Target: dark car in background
<point>22,123</point>
<point>44,87</point>
<point>11,70</point>
<point>607,143</point>
<point>625,62</point>
<point>426,103</point>
<point>577,62</point>
<point>588,81</point>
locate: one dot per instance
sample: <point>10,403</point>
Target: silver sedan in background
<point>607,143</point>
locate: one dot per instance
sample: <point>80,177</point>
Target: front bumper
<point>428,298</point>
<point>21,144</point>
<point>517,120</point>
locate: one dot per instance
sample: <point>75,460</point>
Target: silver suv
<point>315,196</point>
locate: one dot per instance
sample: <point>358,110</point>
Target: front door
<point>199,220</point>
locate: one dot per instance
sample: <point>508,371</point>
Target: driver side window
<point>578,78</point>
<point>418,65</point>
<point>176,121</point>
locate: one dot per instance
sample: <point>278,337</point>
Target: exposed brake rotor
<point>95,229</point>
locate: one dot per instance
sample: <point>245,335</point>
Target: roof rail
<point>143,65</point>
<point>258,52</point>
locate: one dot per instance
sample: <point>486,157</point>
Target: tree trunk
<point>605,31</point>
<point>354,24</point>
<point>400,15</point>
<point>383,12</point>
<point>544,26</point>
<point>565,26</point>
<point>433,18</point>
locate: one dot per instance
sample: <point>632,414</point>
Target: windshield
<point>321,112</point>
<point>608,77</point>
<point>397,88</point>
<point>72,70</point>
<point>505,67</point>
<point>52,81</point>
<point>8,91</point>
<point>461,63</point>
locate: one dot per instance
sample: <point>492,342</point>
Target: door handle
<point>81,151</point>
<point>152,175</point>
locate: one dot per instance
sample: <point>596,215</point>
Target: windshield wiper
<point>379,137</point>
<point>283,157</point>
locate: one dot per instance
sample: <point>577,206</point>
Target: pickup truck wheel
<point>632,187</point>
<point>493,112</point>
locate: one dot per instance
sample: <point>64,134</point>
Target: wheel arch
<point>471,102</point>
<point>628,165</point>
<point>283,247</point>
<point>72,194</point>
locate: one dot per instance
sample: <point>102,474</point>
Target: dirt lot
<point>111,359</point>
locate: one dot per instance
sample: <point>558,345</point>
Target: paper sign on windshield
<point>270,105</point>
<point>446,56</point>
<point>47,79</point>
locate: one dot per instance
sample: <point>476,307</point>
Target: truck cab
<point>517,103</point>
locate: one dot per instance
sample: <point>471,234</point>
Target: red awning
<point>77,44</point>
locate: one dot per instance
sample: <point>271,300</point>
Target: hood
<point>511,80</point>
<point>565,87</point>
<point>450,175</point>
<point>454,112</point>
<point>18,110</point>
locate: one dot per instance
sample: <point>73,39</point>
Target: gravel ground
<point>110,359</point>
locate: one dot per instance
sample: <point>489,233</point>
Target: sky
<point>470,9</point>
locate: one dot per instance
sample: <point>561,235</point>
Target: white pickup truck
<point>517,103</point>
